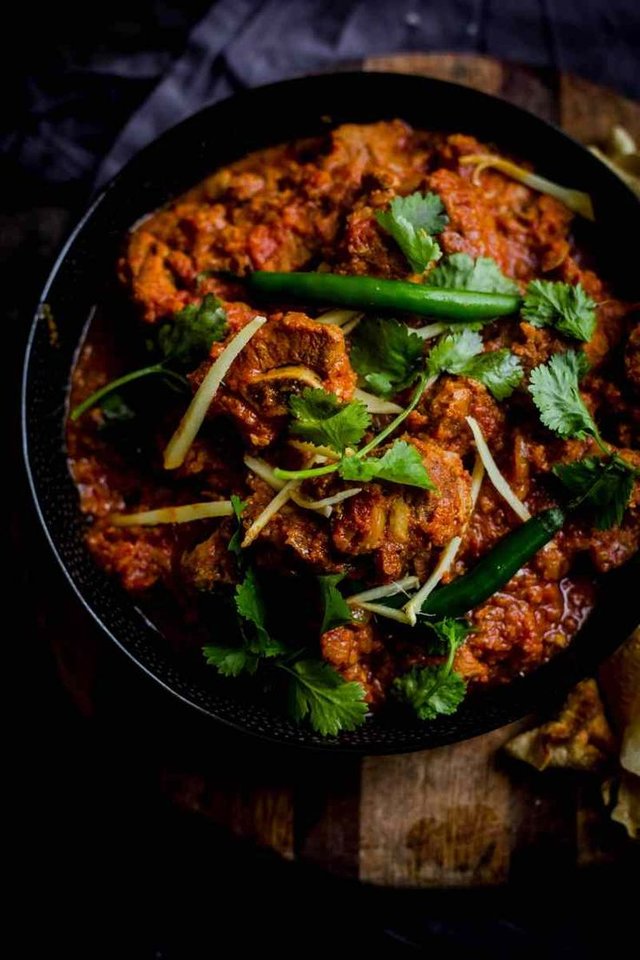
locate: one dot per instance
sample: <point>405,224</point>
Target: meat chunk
<point>358,653</point>
<point>453,399</point>
<point>524,232</point>
<point>444,511</point>
<point>210,563</point>
<point>294,539</point>
<point>289,353</point>
<point>398,525</point>
<point>378,155</point>
<point>140,557</point>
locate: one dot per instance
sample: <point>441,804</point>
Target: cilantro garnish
<point>318,692</point>
<point>239,506</point>
<point>411,221</point>
<point>602,485</point>
<point>320,418</point>
<point>566,307</point>
<point>453,352</point>
<point>436,689</point>
<point>257,642</point>
<point>461,354</point>
<point>335,608</point>
<point>116,409</point>
<point>499,370</point>
<point>555,392</point>
<point>451,633</point>
<point>386,355</point>
<point>230,661</point>
<point>400,464</point>
<point>187,337</point>
<point>251,607</point>
<point>180,343</point>
<point>459,271</point>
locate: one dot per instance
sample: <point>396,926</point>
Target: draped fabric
<point>84,113</point>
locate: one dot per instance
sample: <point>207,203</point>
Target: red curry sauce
<point>311,205</point>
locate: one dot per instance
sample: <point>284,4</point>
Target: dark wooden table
<point>453,817</point>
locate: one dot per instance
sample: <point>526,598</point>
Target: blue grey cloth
<point>73,134</point>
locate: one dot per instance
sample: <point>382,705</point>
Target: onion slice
<point>576,200</point>
<point>386,590</point>
<point>382,611</point>
<point>352,324</point>
<point>314,450</point>
<point>376,404</point>
<point>497,479</point>
<point>428,332</point>
<point>327,502</point>
<point>339,317</point>
<point>183,514</point>
<point>263,470</point>
<point>448,555</point>
<point>477,477</point>
<point>268,513</point>
<point>186,431</point>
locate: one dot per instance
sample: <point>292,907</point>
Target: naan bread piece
<point>580,738</point>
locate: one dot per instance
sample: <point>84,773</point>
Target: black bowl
<point>84,271</point>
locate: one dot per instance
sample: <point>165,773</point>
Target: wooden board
<point>457,816</point>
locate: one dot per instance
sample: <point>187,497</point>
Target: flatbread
<point>580,738</point>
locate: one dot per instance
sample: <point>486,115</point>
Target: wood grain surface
<point>457,816</point>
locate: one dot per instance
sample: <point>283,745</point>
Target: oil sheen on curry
<point>365,417</point>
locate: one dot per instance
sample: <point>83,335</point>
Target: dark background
<point>103,867</point>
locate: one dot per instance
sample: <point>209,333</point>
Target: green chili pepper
<point>491,572</point>
<point>495,568</point>
<point>372,293</point>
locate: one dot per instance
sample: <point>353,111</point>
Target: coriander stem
<point>304,474</point>
<point>423,384</point>
<point>114,385</point>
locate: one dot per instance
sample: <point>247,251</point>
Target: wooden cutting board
<point>452,817</point>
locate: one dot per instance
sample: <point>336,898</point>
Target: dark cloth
<point>141,74</point>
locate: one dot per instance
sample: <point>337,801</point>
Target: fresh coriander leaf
<point>400,464</point>
<point>239,506</point>
<point>319,692</point>
<point>555,392</point>
<point>336,610</point>
<point>187,337</point>
<point>230,661</point>
<point>499,370</point>
<point>431,690</point>
<point>411,221</point>
<point>322,419</point>
<point>115,409</point>
<point>251,607</point>
<point>461,353</point>
<point>566,307</point>
<point>386,355</point>
<point>602,484</point>
<point>182,341</point>
<point>452,353</point>
<point>459,271</point>
<point>451,633</point>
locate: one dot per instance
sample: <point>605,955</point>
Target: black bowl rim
<point>574,669</point>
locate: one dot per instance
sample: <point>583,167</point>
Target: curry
<point>383,407</point>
